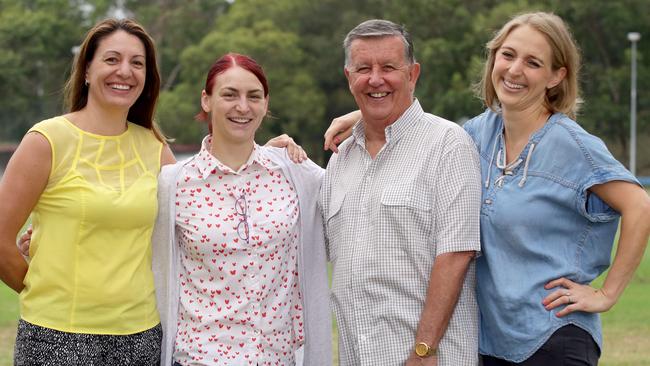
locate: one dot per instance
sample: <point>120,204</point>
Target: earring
<point>86,82</point>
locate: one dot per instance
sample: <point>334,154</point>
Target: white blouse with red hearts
<point>240,300</point>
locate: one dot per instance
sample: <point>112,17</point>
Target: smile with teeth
<point>512,85</point>
<point>120,86</point>
<point>378,95</point>
<point>239,120</point>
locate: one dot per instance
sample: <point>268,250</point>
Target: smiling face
<point>117,72</point>
<point>381,80</point>
<point>237,106</point>
<point>522,70</point>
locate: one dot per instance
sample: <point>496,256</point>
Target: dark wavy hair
<point>76,91</point>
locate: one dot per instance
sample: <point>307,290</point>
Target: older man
<point>401,202</point>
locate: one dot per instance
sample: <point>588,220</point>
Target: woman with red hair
<point>239,258</point>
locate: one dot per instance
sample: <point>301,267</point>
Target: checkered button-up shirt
<point>386,221</point>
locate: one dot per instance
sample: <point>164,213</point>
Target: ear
<point>558,76</point>
<point>347,76</point>
<point>414,74</point>
<point>266,104</point>
<point>205,101</point>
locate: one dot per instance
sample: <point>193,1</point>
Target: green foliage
<point>36,38</point>
<point>295,102</point>
<point>176,25</point>
<point>299,44</point>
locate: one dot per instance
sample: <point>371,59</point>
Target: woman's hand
<point>576,297</point>
<point>24,241</point>
<point>295,151</point>
<point>340,129</point>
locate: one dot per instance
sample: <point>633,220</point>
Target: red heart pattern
<point>240,300</point>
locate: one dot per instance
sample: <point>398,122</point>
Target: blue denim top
<point>537,224</point>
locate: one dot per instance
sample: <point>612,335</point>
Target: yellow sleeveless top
<point>90,269</point>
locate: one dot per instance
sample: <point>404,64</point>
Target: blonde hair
<point>564,97</point>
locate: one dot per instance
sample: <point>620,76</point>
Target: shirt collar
<point>208,164</point>
<point>395,130</point>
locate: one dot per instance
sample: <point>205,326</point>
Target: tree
<point>296,103</point>
<point>176,25</point>
<point>36,39</point>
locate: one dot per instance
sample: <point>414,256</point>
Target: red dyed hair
<point>222,65</point>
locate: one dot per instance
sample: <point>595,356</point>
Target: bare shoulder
<point>32,160</point>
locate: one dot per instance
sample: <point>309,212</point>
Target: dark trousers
<point>568,346</point>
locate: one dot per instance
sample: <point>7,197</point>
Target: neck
<point>100,121</point>
<point>232,155</point>
<point>375,138</point>
<point>520,125</point>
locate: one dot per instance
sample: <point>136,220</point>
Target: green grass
<point>626,326</point>
<point>8,320</point>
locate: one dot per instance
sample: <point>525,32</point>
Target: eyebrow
<point>230,88</point>
<point>513,50</point>
<point>120,53</point>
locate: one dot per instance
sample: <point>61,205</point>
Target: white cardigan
<point>306,178</point>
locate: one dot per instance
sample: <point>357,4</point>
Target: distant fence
<point>185,148</point>
<point>6,149</point>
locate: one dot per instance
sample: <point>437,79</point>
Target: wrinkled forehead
<point>379,50</point>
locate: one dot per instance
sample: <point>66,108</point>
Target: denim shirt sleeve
<point>472,128</point>
<point>603,168</point>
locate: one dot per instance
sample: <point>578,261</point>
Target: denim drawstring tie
<point>507,169</point>
<point>525,175</point>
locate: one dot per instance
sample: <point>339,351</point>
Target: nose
<point>516,66</point>
<point>376,76</point>
<point>242,104</point>
<point>124,69</point>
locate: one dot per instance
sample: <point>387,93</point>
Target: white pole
<point>634,38</point>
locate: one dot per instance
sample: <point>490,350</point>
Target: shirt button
<point>362,338</point>
<point>488,201</point>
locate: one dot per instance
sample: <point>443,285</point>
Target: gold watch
<point>424,350</point>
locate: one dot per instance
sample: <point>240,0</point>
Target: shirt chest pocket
<point>406,211</point>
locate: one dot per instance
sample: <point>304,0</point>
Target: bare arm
<point>445,284</point>
<point>21,186</point>
<point>166,156</point>
<point>340,129</point>
<point>633,203</point>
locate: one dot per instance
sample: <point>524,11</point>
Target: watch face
<point>421,349</point>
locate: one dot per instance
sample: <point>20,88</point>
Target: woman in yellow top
<point>89,179</point>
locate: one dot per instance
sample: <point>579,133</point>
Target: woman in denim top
<point>552,196</point>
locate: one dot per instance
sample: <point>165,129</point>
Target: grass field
<point>626,327</point>
<point>8,316</point>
